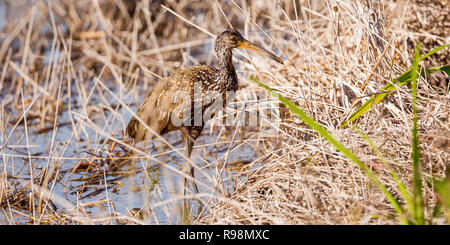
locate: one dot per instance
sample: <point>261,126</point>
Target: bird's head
<point>230,39</point>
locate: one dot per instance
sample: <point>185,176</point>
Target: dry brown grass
<point>72,72</point>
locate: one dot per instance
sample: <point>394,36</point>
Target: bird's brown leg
<point>188,169</point>
<point>189,145</point>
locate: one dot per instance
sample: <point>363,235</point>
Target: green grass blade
<point>442,187</point>
<point>324,133</point>
<point>434,51</point>
<point>400,81</point>
<point>400,185</point>
<point>381,94</point>
<point>418,212</point>
<point>445,68</point>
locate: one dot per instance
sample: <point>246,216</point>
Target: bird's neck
<point>226,69</point>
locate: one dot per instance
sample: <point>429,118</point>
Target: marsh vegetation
<point>73,72</point>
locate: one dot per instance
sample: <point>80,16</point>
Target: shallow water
<point>127,186</point>
<point>76,155</point>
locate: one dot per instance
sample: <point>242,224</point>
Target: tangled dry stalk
<point>72,73</point>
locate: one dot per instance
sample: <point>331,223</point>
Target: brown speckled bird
<point>158,106</point>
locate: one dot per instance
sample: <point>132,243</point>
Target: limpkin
<point>159,104</point>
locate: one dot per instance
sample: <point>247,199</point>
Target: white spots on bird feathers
<point>159,97</point>
<point>185,79</point>
<point>177,94</point>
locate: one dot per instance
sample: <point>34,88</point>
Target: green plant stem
<point>324,133</point>
<point>418,212</point>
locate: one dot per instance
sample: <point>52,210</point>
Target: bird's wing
<point>168,105</point>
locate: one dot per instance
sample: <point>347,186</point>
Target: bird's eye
<point>234,40</point>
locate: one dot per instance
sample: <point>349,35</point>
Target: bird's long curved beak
<point>253,47</point>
